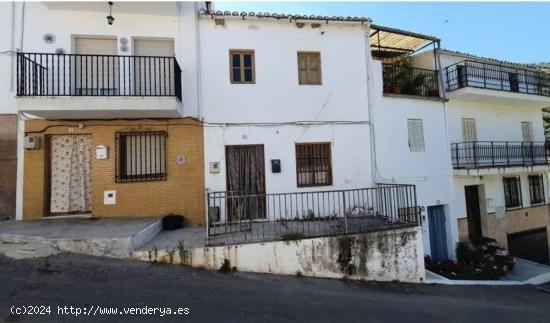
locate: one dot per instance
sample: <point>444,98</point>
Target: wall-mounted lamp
<point>110,18</point>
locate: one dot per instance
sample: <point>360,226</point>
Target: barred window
<point>141,156</point>
<point>512,192</point>
<point>313,164</point>
<point>536,189</point>
<point>416,135</point>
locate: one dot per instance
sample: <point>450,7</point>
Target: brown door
<point>472,210</point>
<point>245,182</point>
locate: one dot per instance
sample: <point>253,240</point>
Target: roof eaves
<point>488,59</point>
<point>277,16</point>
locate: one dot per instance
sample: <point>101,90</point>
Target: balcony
<point>470,79</point>
<point>98,86</point>
<point>476,155</point>
<point>402,79</point>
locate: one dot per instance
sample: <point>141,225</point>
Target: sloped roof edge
<point>488,59</point>
<point>280,16</point>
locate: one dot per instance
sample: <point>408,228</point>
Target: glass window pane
<point>236,74</point>
<point>247,60</point>
<point>236,60</point>
<point>248,75</point>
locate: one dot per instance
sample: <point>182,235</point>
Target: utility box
<point>109,197</point>
<point>275,166</point>
<point>31,142</point>
<point>101,152</point>
<point>214,167</point>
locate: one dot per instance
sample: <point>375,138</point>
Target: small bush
<point>478,259</point>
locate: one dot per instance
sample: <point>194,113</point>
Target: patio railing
<point>479,154</point>
<point>236,217</point>
<point>496,77</point>
<point>42,74</point>
<point>410,80</point>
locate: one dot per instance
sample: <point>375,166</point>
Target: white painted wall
<point>40,18</point>
<point>429,170</point>
<point>277,98</point>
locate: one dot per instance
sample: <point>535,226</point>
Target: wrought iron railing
<point>401,79</point>
<point>496,77</point>
<point>41,74</point>
<point>479,154</point>
<point>235,217</point>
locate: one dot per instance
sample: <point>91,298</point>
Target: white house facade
<point>261,125</point>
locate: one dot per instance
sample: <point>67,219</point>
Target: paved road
<point>81,281</point>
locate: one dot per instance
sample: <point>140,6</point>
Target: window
<point>140,156</point>
<point>512,192</point>
<point>536,189</point>
<point>468,129</point>
<point>313,164</point>
<point>416,135</point>
<point>527,131</point>
<point>242,66</point>
<point>309,68</point>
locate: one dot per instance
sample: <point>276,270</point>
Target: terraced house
<point>260,126</point>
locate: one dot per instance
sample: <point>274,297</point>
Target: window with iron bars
<point>313,164</point>
<point>140,156</point>
<point>536,189</point>
<point>512,192</point>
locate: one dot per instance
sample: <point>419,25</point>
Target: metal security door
<point>438,234</point>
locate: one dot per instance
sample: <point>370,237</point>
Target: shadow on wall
<point>8,166</point>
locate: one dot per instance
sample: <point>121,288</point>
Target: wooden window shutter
<point>309,68</point>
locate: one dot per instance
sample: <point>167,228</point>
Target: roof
<point>389,42</point>
<point>281,16</point>
<point>494,60</point>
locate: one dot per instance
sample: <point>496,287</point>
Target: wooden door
<point>245,169</point>
<point>473,212</point>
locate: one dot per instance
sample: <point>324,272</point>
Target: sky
<point>511,31</point>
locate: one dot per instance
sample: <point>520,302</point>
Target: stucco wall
<point>382,256</point>
<point>181,193</point>
<point>430,170</point>
<point>276,98</point>
<point>8,165</point>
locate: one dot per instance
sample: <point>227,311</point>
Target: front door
<point>70,168</point>
<point>473,212</point>
<point>245,182</point>
<point>438,233</point>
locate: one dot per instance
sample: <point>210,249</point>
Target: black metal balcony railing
<point>483,154</point>
<point>400,79</point>
<point>496,77</point>
<point>40,74</point>
<point>235,217</point>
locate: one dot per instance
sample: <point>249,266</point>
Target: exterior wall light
<point>110,18</point>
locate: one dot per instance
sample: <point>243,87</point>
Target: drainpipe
<point>370,105</point>
<point>12,45</point>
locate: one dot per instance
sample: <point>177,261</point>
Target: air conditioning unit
<point>31,142</point>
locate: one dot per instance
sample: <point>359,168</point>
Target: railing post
<point>522,154</point>
<point>475,153</point>
<point>493,153</point>
<point>532,154</point>
<point>484,79</point>
<point>457,156</point>
<point>507,155</point>
<point>500,77</point>
<point>345,213</point>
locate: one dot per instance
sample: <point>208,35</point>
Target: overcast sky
<point>518,32</point>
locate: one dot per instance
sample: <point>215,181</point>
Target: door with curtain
<point>70,158</point>
<point>245,182</point>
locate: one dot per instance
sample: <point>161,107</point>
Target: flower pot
<point>172,222</point>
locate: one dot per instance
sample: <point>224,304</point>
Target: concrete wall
<point>181,193</point>
<point>8,165</point>
<point>277,99</point>
<point>391,255</point>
